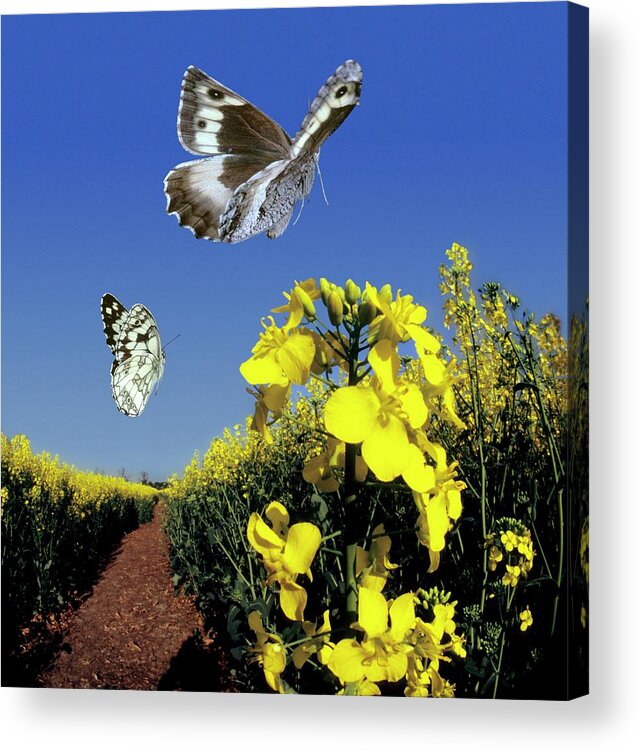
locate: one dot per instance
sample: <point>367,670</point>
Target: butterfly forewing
<point>139,359</point>
<point>139,334</point>
<point>212,119</point>
<point>333,103</point>
<point>254,175</point>
<point>114,315</point>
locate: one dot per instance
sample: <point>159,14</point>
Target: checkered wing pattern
<point>138,364</point>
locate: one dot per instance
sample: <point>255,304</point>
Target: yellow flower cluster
<point>56,522</point>
<point>286,553</point>
<point>30,479</point>
<point>233,459</point>
<point>513,546</point>
<point>526,619</point>
<point>384,412</point>
<point>496,356</point>
<point>396,642</point>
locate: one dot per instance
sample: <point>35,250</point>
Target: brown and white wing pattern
<point>254,175</point>
<point>138,363</point>
<point>333,103</point>
<point>265,203</point>
<point>240,141</point>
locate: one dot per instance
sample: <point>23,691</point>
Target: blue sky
<point>460,137</point>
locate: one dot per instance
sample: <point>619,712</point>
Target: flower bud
<point>351,291</point>
<point>307,304</point>
<point>325,290</point>
<point>340,291</point>
<point>335,308</point>
<point>386,293</point>
<point>366,312</point>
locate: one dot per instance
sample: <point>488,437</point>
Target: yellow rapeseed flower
<point>382,654</point>
<point>383,416</point>
<point>526,619</point>
<point>286,552</point>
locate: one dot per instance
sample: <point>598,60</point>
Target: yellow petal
<point>300,656</point>
<point>263,369</point>
<point>455,503</point>
<point>374,581</point>
<point>274,657</point>
<point>402,615</point>
<point>434,561</point>
<point>449,403</point>
<point>293,599</point>
<point>351,413</point>
<point>434,370</point>
<point>317,470</point>
<point>302,544</point>
<point>273,680</point>
<point>425,341</point>
<point>296,356</point>
<point>367,688</point>
<point>346,661</point>
<point>385,362</point>
<point>275,397</point>
<point>392,669</point>
<point>255,622</point>
<point>438,521</point>
<point>418,475</point>
<point>373,615</point>
<point>279,518</point>
<point>386,448</point>
<point>262,537</point>
<point>413,404</point>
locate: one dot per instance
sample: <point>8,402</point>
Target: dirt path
<point>134,632</point>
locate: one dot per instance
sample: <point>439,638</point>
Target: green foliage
<point>57,525</point>
<point>497,433</point>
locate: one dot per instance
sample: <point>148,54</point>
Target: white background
<point>609,717</point>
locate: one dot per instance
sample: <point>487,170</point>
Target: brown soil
<point>135,632</point>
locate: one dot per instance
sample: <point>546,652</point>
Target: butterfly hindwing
<point>133,380</point>
<point>134,340</point>
<point>265,203</point>
<point>199,191</point>
<point>254,174</point>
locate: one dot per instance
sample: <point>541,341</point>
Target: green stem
<point>351,506</point>
<point>495,684</point>
<point>351,587</point>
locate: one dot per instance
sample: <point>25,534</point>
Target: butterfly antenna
<point>295,221</point>
<point>326,200</point>
<point>170,341</point>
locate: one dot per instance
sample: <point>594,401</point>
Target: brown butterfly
<point>255,173</point>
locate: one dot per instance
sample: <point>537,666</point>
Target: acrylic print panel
<point>362,467</point>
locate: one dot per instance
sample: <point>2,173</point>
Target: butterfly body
<point>254,174</point>
<point>133,338</point>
